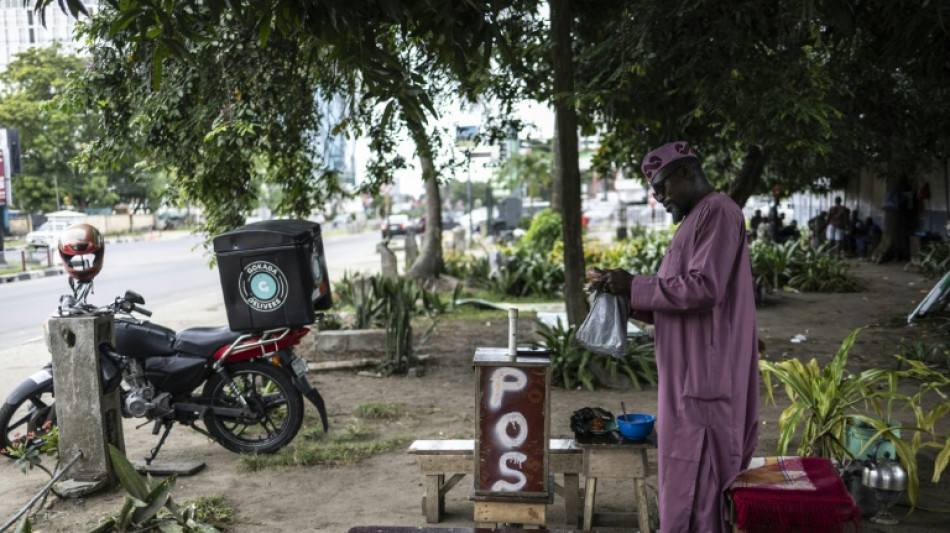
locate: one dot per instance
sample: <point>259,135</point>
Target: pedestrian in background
<point>702,306</point>
<point>838,217</point>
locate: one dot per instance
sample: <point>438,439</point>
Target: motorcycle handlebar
<point>142,310</point>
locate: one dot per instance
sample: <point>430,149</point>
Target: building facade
<point>21,29</point>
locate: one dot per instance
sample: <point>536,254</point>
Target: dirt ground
<point>387,489</point>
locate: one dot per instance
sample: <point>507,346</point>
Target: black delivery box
<point>273,274</point>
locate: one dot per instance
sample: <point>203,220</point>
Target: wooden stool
<point>604,457</point>
<point>455,458</point>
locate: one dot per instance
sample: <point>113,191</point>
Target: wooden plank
<point>442,446</point>
<point>563,445</point>
<point>563,463</point>
<point>456,446</point>
<point>591,489</point>
<point>410,529</point>
<point>432,502</point>
<point>447,486</point>
<point>446,464</point>
<point>615,463</point>
<point>643,509</point>
<point>515,513</point>
<point>571,498</point>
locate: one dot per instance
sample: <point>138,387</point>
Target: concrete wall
<point>866,193</point>
<point>108,224</point>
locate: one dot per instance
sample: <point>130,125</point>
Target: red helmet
<point>82,249</point>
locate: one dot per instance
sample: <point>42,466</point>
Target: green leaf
<point>131,481</point>
<point>122,22</point>
<point>940,463</point>
<point>156,500</point>
<point>24,526</point>
<point>107,526</point>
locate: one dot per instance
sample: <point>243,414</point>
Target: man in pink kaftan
<point>702,306</point>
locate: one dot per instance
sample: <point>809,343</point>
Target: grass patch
<point>482,294</point>
<point>214,511</point>
<point>382,411</point>
<point>11,268</point>
<point>317,453</point>
<point>352,444</point>
<point>473,312</point>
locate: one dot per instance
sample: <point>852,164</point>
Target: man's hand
<point>616,281</point>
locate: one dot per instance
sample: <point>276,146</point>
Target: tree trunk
<point>429,263</point>
<point>750,176</point>
<point>898,225</point>
<point>557,204</point>
<point>567,169</point>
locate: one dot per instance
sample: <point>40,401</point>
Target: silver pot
<point>884,474</point>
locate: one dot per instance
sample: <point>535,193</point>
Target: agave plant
<point>826,400</point>
<point>935,260</point>
<point>149,505</point>
<point>572,365</point>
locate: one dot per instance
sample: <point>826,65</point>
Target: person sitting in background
<point>871,235</point>
<point>816,228</point>
<point>754,223</point>
<point>856,231</point>
<point>791,231</point>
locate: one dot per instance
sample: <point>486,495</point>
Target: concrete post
<point>622,216</point>
<point>412,249</point>
<point>458,238</point>
<point>87,419</point>
<point>389,265</point>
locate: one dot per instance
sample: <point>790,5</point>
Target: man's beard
<point>678,213</point>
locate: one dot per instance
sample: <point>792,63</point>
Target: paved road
<point>164,272</point>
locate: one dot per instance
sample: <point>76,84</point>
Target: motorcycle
<point>246,389</point>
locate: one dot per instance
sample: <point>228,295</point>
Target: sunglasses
<point>659,186</point>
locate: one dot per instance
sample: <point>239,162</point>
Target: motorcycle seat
<point>204,342</point>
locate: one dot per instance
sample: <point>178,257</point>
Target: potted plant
<point>825,402</point>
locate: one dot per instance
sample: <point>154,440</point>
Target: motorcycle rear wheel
<point>29,415</point>
<point>278,408</point>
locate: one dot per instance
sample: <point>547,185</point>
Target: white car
<point>47,235</point>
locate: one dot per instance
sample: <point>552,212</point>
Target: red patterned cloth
<point>792,494</point>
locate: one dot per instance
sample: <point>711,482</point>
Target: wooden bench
<point>456,457</point>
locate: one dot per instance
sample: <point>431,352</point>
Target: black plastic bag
<point>582,419</point>
<point>604,331</point>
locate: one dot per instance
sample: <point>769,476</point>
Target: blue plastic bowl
<point>635,426</point>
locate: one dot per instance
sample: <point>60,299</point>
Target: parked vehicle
<point>47,235</point>
<point>247,390</point>
<point>396,225</point>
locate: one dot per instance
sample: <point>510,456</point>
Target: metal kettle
<point>884,474</point>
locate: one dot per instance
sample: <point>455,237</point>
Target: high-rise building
<point>21,29</point>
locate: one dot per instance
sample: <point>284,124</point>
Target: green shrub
<point>796,264</point>
<point>378,301</point>
<point>528,274</point>
<point>935,260</point>
<point>545,230</point>
<point>473,270</point>
<point>571,365</point>
<point>639,255</point>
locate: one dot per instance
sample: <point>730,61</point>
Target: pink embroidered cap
<point>664,155</point>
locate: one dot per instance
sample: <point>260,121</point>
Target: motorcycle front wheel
<point>274,410</point>
<point>29,415</point>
